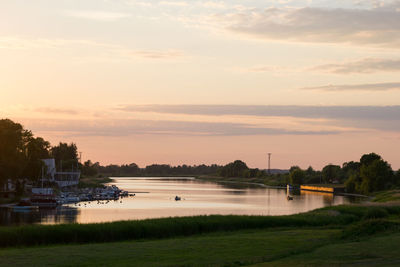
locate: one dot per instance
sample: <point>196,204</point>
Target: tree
<point>65,155</point>
<point>350,168</point>
<point>13,140</point>
<point>330,173</point>
<point>36,150</point>
<point>353,183</point>
<point>397,177</point>
<point>367,159</point>
<point>234,169</point>
<point>296,176</point>
<point>89,168</point>
<point>377,175</point>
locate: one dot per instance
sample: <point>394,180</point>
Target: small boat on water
<point>289,198</point>
<point>24,206</point>
<point>177,198</point>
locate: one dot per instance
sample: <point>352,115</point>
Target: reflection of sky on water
<point>41,216</point>
<point>198,198</point>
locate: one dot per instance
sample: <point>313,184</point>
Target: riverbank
<point>324,236</point>
<point>264,182</point>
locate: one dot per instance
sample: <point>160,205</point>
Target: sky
<point>193,82</point>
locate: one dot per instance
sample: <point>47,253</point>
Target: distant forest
<point>94,169</point>
<point>21,153</point>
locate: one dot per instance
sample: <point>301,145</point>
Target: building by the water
<point>61,178</point>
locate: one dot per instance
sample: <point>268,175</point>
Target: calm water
<point>155,198</point>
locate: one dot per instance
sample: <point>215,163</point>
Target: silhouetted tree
<point>65,155</point>
<point>13,141</point>
<point>330,173</point>
<point>377,175</point>
<point>296,176</point>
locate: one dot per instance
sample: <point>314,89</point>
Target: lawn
<point>218,249</point>
<point>338,235</point>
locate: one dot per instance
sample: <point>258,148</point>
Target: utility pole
<point>269,163</point>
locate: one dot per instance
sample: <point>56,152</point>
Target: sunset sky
<point>192,82</point>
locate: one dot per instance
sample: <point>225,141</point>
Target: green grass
<point>387,196</point>
<point>29,235</point>
<point>218,249</point>
<point>278,247</point>
<point>329,236</point>
<point>375,251</point>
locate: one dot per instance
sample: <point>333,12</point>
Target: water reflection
<point>155,197</point>
<point>42,216</point>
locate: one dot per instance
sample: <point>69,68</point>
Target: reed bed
<point>33,235</point>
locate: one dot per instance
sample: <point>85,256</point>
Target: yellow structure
<point>317,188</point>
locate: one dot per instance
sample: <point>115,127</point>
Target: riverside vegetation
<point>355,234</point>
<point>21,154</point>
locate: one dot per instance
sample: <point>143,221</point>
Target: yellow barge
<point>320,189</point>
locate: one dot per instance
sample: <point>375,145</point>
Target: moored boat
<point>43,197</point>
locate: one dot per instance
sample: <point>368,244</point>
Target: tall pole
<point>269,163</point>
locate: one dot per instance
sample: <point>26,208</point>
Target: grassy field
<point>340,235</point>
<point>234,248</point>
<point>387,196</point>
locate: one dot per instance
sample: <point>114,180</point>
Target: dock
<point>323,189</point>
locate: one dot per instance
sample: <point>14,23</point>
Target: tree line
<point>21,155</point>
<point>371,173</point>
<point>95,169</point>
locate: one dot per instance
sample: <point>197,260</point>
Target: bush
<point>376,213</point>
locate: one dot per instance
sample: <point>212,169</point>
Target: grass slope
<point>218,249</point>
<point>339,235</point>
<point>375,251</point>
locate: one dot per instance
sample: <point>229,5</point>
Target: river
<point>155,197</point>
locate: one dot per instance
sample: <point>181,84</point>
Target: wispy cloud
<point>357,87</point>
<point>50,110</point>
<point>375,26</point>
<point>97,15</point>
<point>103,50</point>
<point>361,117</point>
<point>154,54</point>
<point>367,65</point>
<point>119,127</point>
<point>335,112</point>
<point>173,3</point>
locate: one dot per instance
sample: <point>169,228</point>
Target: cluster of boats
<point>46,197</point>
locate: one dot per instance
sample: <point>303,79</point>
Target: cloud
<point>386,118</point>
<point>367,65</point>
<point>97,15</point>
<point>154,54</point>
<point>57,110</point>
<point>377,26</point>
<point>213,4</point>
<point>357,87</point>
<point>173,3</point>
<point>118,127</point>
<point>378,112</point>
<point>105,51</point>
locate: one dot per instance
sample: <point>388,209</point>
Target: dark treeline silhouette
<point>370,174</point>
<point>95,169</point>
<point>21,153</point>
